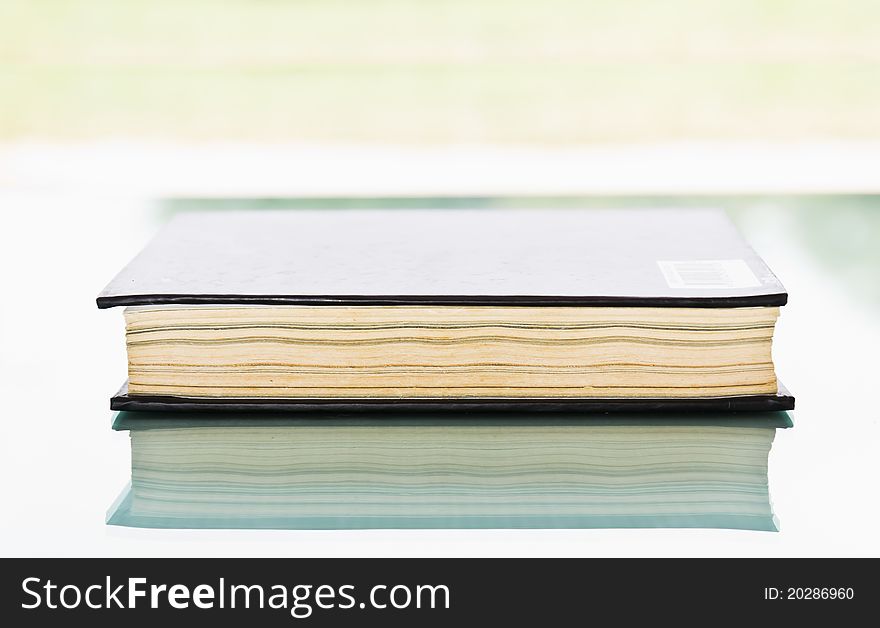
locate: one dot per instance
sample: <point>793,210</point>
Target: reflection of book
<point>480,471</point>
<point>451,305</point>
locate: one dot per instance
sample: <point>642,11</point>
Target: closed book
<point>600,310</point>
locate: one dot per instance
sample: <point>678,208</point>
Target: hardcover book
<point>617,310</point>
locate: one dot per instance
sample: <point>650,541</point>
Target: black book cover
<point>783,400</point>
<point>638,258</point>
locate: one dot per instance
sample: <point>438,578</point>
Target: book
<point>513,470</point>
<point>589,309</point>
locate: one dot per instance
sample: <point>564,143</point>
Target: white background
<point>60,359</point>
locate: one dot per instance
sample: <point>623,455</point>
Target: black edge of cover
<point>781,401</point>
<point>764,300</point>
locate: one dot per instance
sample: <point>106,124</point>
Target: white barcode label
<point>717,273</point>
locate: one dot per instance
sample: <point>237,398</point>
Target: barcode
<point>725,273</point>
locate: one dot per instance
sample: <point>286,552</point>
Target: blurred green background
<point>499,71</point>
